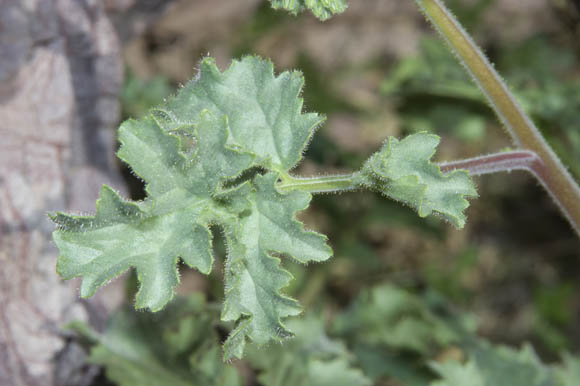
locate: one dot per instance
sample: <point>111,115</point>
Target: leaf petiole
<point>322,184</point>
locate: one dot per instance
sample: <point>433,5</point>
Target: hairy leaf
<point>264,111</point>
<point>402,170</point>
<point>322,9</point>
<point>253,275</point>
<point>172,223</point>
<point>199,155</point>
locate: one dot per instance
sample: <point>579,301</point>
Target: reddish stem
<point>498,162</point>
<point>505,162</point>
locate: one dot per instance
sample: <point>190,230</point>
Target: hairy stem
<point>548,169</point>
<point>322,184</point>
<point>494,163</point>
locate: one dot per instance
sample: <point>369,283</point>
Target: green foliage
<point>390,316</point>
<point>190,154</point>
<point>217,154</point>
<point>138,95</point>
<point>322,9</point>
<point>176,347</point>
<point>253,276</point>
<point>213,155</point>
<point>542,75</point>
<point>264,112</point>
<point>393,332</point>
<point>171,223</point>
<point>312,359</point>
<point>568,374</point>
<point>384,337</point>
<point>402,170</point>
<point>500,366</point>
<point>449,100</point>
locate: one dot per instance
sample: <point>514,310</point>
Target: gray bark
<point>60,74</point>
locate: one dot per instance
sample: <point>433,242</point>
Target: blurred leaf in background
<point>310,359</point>
<point>178,346</point>
<point>435,94</point>
<point>138,95</point>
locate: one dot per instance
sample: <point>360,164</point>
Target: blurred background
<point>70,71</point>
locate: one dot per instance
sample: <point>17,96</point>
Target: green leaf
<point>322,9</point>
<point>312,359</point>
<point>172,223</point>
<point>569,373</point>
<point>176,347</point>
<point>394,318</point>
<point>402,170</point>
<point>336,373</point>
<point>496,366</point>
<point>199,155</point>
<point>453,373</point>
<point>253,275</point>
<point>264,111</point>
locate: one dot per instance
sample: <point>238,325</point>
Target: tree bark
<point>60,75</point>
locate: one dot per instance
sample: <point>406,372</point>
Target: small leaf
<point>402,170</point>
<point>322,9</point>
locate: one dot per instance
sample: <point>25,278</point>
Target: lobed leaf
<point>497,366</point>
<point>213,155</point>
<point>322,9</point>
<point>172,223</point>
<point>102,247</point>
<point>253,275</point>
<point>264,111</point>
<point>201,156</point>
<point>402,170</point>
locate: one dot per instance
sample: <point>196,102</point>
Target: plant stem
<point>548,168</point>
<point>494,163</point>
<point>487,164</point>
<point>323,184</point>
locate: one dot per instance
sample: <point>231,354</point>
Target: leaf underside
<point>188,152</point>
<point>322,9</point>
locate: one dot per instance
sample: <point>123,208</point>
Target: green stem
<point>549,170</point>
<point>323,184</point>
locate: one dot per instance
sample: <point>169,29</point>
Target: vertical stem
<point>549,170</point>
